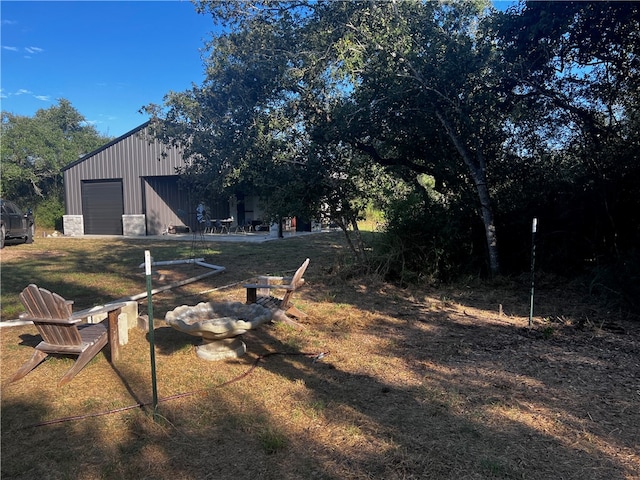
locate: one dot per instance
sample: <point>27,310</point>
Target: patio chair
<point>61,332</point>
<point>281,308</point>
<point>220,226</point>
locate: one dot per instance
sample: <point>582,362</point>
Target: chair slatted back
<point>42,305</point>
<point>296,282</point>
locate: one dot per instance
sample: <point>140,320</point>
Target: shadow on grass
<point>95,271</point>
<point>168,340</point>
<point>406,392</point>
<point>467,416</point>
<point>28,340</point>
<point>350,424</point>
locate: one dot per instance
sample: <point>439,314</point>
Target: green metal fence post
<point>154,384</point>
<point>534,227</point>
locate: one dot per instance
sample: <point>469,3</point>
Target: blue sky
<point>107,58</point>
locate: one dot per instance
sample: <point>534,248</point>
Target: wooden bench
<point>281,308</point>
<point>63,333</point>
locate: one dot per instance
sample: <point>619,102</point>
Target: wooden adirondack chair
<point>281,308</point>
<point>61,332</point>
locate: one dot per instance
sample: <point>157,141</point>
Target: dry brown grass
<point>417,384</point>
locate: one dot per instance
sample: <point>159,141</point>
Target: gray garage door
<point>102,207</point>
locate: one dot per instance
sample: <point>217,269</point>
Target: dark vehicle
<point>15,225</point>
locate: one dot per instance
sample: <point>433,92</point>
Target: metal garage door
<point>102,207</point>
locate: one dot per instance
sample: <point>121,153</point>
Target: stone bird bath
<point>220,325</point>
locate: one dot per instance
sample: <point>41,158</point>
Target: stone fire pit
<point>220,325</point>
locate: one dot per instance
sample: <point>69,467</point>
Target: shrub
<point>49,214</point>
<point>427,241</point>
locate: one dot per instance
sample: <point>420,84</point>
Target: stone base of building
<point>73,225</point>
<point>134,225</point>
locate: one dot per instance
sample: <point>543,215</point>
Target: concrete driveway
<point>254,237</point>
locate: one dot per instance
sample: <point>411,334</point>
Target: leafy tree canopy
<point>35,149</point>
<point>508,115</point>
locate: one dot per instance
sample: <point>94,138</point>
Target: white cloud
<point>28,50</point>
<point>24,91</point>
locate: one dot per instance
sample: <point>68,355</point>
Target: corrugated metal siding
<point>128,158</point>
<point>166,204</point>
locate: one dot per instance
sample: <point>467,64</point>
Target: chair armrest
<point>82,314</point>
<point>275,287</point>
<point>58,321</point>
<point>284,280</point>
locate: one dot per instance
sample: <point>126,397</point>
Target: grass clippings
<point>416,384</point>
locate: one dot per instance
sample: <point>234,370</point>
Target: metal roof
<point>104,147</point>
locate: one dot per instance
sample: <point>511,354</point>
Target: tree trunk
<point>359,242</point>
<point>358,247</point>
<point>478,174</point>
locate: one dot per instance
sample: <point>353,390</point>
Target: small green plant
<point>353,431</point>
<point>493,467</point>
<point>314,409</point>
<point>272,440</point>
<point>90,403</point>
<point>327,297</point>
<point>446,301</point>
<point>290,337</point>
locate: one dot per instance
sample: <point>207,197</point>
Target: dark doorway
<point>102,207</point>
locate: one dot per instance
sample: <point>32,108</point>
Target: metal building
<point>130,187</point>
